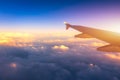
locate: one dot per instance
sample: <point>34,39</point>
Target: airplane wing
<point>110,37</point>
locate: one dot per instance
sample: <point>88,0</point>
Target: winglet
<point>67,25</point>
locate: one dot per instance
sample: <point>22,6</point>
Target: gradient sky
<point>57,56</point>
<point>49,15</point>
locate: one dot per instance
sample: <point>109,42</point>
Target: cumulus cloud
<point>61,47</point>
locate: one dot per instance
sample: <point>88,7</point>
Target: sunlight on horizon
<point>26,40</point>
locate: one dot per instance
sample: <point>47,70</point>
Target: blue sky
<point>40,15</point>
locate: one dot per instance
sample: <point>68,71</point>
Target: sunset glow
<point>113,56</point>
<point>12,39</point>
<point>13,65</point>
<point>36,44</point>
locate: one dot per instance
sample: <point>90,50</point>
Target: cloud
<point>113,56</point>
<point>61,47</point>
<point>15,39</point>
<point>98,44</point>
<point>73,60</point>
<point>26,64</point>
<point>14,65</point>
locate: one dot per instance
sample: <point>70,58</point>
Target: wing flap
<point>83,36</point>
<point>109,48</point>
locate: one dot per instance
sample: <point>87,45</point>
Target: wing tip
<point>67,25</point>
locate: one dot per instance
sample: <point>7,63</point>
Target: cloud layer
<point>65,59</point>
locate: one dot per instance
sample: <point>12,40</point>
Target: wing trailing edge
<point>82,35</point>
<point>109,48</point>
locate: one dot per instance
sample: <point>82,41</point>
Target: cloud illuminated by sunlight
<point>13,65</point>
<point>113,56</point>
<point>61,47</point>
<point>13,39</point>
<point>27,40</point>
<point>97,44</point>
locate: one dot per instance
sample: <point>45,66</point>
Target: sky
<point>49,15</point>
<point>52,55</point>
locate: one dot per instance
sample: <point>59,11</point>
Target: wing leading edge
<point>110,37</point>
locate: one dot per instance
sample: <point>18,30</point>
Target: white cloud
<point>61,47</point>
